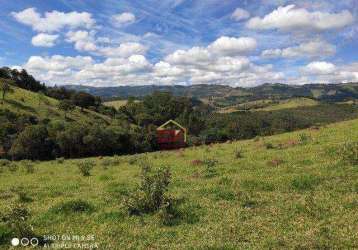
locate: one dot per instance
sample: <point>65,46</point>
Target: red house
<point>171,135</point>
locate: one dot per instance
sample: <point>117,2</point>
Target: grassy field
<point>22,101</point>
<point>289,191</point>
<point>269,105</point>
<point>116,104</point>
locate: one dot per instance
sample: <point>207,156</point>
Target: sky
<point>169,42</point>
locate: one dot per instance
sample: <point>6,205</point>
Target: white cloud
<point>44,40</point>
<point>319,68</point>
<point>83,40</point>
<point>125,18</point>
<point>54,20</point>
<point>291,18</point>
<point>232,45</point>
<point>193,56</point>
<point>316,48</point>
<point>124,50</point>
<point>240,14</point>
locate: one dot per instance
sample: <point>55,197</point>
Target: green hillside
<point>288,191</point>
<point>22,101</point>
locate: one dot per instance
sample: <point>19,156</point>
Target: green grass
<point>291,103</point>
<point>22,101</point>
<point>116,104</point>
<point>308,201</point>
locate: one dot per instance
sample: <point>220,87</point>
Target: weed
<point>304,138</point>
<point>304,182</point>
<point>150,195</point>
<point>210,167</point>
<point>238,154</point>
<point>60,160</point>
<point>275,162</point>
<point>268,145</point>
<point>29,166</point>
<point>4,162</point>
<point>85,167</point>
<point>13,167</point>
<point>24,196</point>
<point>349,153</point>
<point>73,206</point>
<point>174,211</point>
<point>196,162</point>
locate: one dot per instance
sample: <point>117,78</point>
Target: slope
<point>285,191</point>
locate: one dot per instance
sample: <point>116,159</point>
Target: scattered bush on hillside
<point>60,160</point>
<point>13,167</point>
<point>150,195</point>
<point>73,206</point>
<point>304,138</point>
<point>85,167</point>
<point>29,166</point>
<point>16,220</point>
<point>275,162</point>
<point>175,211</point>
<point>304,182</point>
<point>349,153</point>
<point>238,154</point>
<point>210,167</point>
<point>269,145</point>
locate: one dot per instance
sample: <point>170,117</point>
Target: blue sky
<point>136,42</point>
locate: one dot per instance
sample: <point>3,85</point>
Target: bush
<point>238,154</point>
<point>13,167</point>
<point>4,163</point>
<point>304,138</point>
<point>150,195</point>
<point>60,160</point>
<point>269,145</point>
<point>24,196</point>
<point>210,167</point>
<point>74,206</point>
<point>85,167</point>
<point>349,153</point>
<point>304,182</point>
<point>29,166</point>
<point>16,221</point>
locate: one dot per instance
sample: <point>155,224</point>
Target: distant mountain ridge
<point>324,92</point>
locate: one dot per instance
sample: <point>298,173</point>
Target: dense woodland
<point>131,128</point>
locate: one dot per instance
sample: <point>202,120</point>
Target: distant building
<point>171,135</point>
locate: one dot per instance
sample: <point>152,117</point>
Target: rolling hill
<point>290,190</point>
<point>228,95</point>
<point>23,101</point>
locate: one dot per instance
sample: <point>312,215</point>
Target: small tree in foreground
<point>66,106</point>
<point>5,88</point>
<point>150,195</point>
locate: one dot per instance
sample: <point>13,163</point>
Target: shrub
<point>304,138</point>
<point>150,195</point>
<point>196,162</point>
<point>275,162</point>
<point>304,182</point>
<point>85,167</point>
<point>60,160</point>
<point>73,206</point>
<point>210,167</point>
<point>238,154</point>
<point>16,220</point>
<point>24,196</point>
<point>4,163</point>
<point>269,145</point>
<point>13,167</point>
<point>349,153</point>
<point>29,166</point>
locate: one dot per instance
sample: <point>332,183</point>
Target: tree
<point>32,143</point>
<point>84,100</point>
<point>66,106</point>
<point>5,88</point>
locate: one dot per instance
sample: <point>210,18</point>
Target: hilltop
<point>291,190</point>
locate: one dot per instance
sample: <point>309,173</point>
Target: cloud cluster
<point>125,18</point>
<point>310,49</point>
<point>54,20</point>
<point>291,18</point>
<point>44,40</point>
<point>240,14</point>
